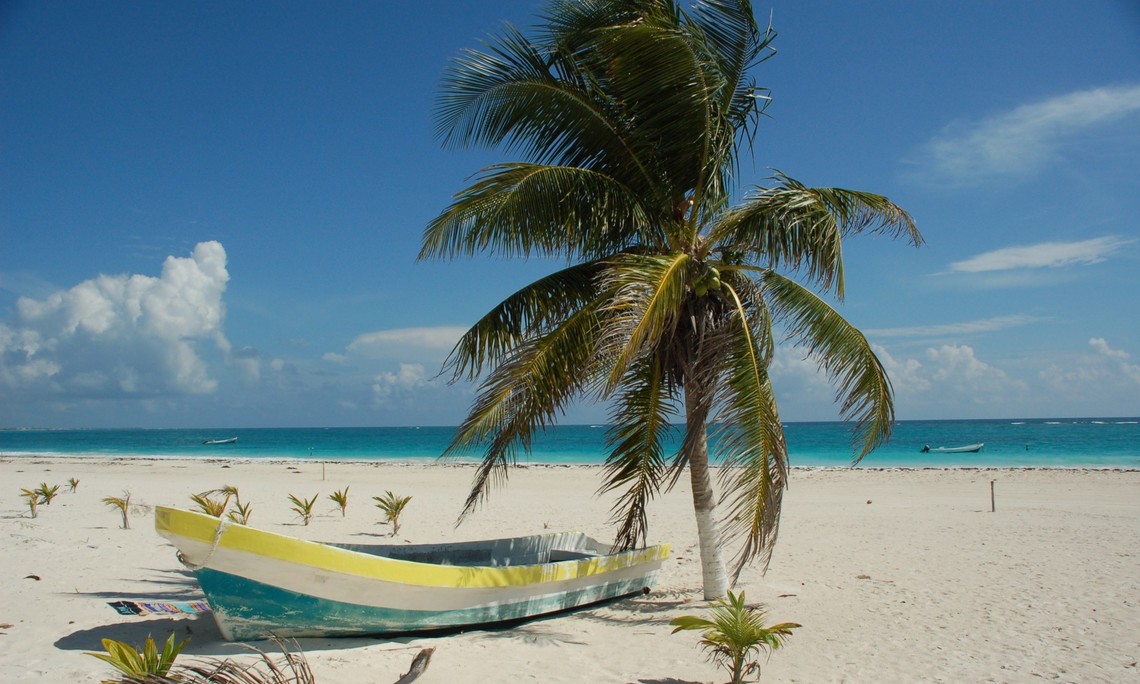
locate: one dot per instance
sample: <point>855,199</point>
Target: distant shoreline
<point>463,464</point>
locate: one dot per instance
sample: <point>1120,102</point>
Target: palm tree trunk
<point>713,574</point>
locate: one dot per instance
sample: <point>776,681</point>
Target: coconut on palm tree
<point>632,116</point>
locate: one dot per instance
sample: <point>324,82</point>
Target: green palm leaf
<point>795,227</point>
<point>640,422</point>
<point>532,209</point>
<point>646,293</point>
<point>864,391</point>
<point>751,442</point>
<point>524,394</point>
<point>527,313</point>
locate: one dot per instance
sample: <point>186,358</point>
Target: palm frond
<point>574,23</point>
<point>534,98</point>
<point>863,389</point>
<point>665,93</point>
<point>640,422</point>
<point>795,227</point>
<point>737,45</point>
<point>645,293</point>
<point>523,395</point>
<point>520,210</point>
<point>529,312</point>
<point>750,440</point>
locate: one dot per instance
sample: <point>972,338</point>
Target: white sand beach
<point>896,576</point>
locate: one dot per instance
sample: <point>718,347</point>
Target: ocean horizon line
<point>1124,419</point>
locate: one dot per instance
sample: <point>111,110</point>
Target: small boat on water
<point>260,583</point>
<point>968,449</point>
<point>228,440</point>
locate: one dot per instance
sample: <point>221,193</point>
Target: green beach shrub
<point>735,633</point>
<point>73,483</point>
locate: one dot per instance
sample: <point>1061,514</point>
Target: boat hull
<point>261,584</point>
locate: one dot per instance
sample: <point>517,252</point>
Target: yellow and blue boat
<point>261,584</point>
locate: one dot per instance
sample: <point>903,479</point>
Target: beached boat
<point>968,449</point>
<point>260,583</point>
<point>228,440</point>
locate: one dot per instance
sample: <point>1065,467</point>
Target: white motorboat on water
<point>228,440</point>
<point>968,449</point>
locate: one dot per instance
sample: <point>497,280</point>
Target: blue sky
<point>210,211</point>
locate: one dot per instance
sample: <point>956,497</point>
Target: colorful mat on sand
<point>149,607</point>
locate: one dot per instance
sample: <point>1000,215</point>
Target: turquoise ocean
<point>1043,443</point>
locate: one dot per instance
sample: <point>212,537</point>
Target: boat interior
<point>534,550</point>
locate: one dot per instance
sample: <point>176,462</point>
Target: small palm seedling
<point>392,505</point>
<point>340,498</point>
<point>73,484</point>
<point>228,491</point>
<point>304,507</point>
<point>240,513</point>
<point>292,668</point>
<point>48,493</point>
<point>33,498</point>
<point>735,634</point>
<point>122,504</point>
<point>140,665</point>
<point>207,504</point>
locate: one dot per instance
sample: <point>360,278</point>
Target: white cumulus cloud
<point>906,375</point>
<point>959,364</point>
<point>1042,255</point>
<point>1103,379</point>
<point>1120,358</point>
<point>1101,346</point>
<point>121,335</point>
<point>948,375</point>
<point>1023,140</point>
<point>409,377</point>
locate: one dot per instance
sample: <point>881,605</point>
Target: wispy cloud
<point>442,337</point>
<point>1022,141</point>
<point>955,329</point>
<point>1042,255</point>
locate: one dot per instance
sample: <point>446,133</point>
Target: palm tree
<point>632,115</point>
